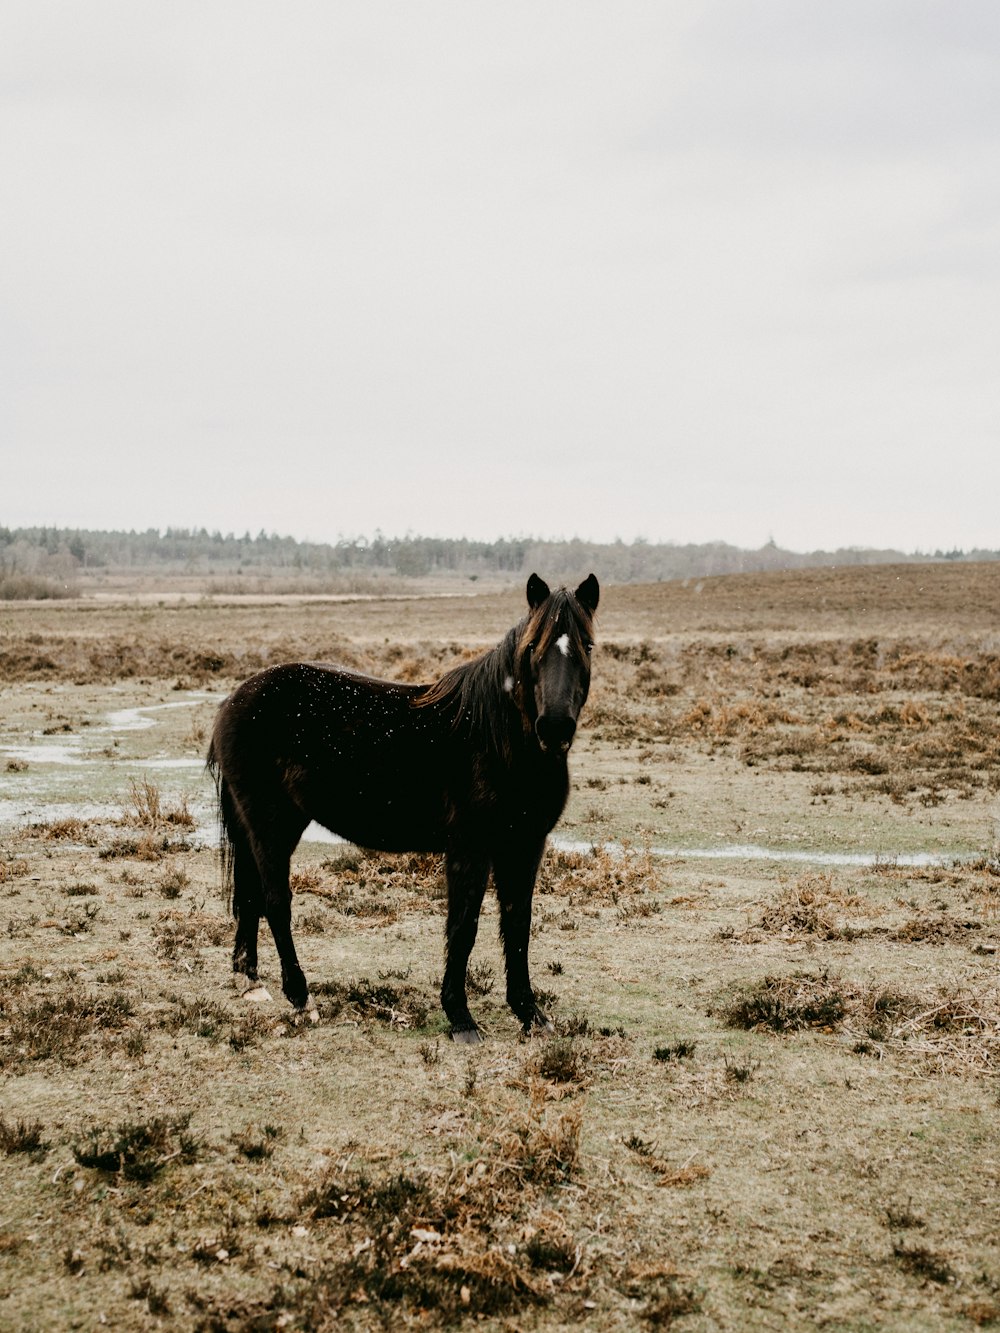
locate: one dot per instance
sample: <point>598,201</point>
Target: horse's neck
<point>497,717</point>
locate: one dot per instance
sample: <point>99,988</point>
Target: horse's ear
<point>538,590</point>
<point>588,594</point>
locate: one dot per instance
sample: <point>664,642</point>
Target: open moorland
<point>766,932</point>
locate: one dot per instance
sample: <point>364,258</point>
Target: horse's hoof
<point>466,1036</point>
<point>538,1026</point>
<point>257,995</point>
<point>307,1013</point>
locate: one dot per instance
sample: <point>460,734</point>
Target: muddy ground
<point>772,1101</point>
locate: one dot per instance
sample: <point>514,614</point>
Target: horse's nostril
<point>555,731</point>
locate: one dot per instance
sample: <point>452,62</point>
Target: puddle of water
<point>58,752</point>
<point>67,752</point>
<point>47,812</point>
<point>736,852</point>
<point>163,762</point>
<point>68,749</point>
<point>753,852</point>
<point>207,834</point>
<point>135,719</point>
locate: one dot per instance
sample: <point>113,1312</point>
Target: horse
<point>473,765</point>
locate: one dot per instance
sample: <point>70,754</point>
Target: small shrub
<point>173,882</point>
<point>672,1303</point>
<point>58,1026</point>
<point>902,1218</point>
<point>249,1029</point>
<point>669,1175</point>
<point>398,1201</point>
<point>396,1006</point>
<point>551,1254</point>
<point>541,1150</point>
<point>135,1044</point>
<point>179,815</point>
<point>150,847</point>
<point>202,1018</point>
<point>480,979</point>
<point>254,1146</point>
<point>157,1300</point>
<point>80,890</point>
<point>137,1151</point>
<point>81,920</point>
<point>22,1136</point>
<point>785,1004</point>
<point>812,905</point>
<point>559,1061</point>
<point>471,1076</point>
<point>738,1071</point>
<point>32,587</point>
<point>923,1263</point>
<point>430,1053</point>
<point>144,807</point>
<point>574,1025</point>
<point>70,829</point>
<point>675,1050</point>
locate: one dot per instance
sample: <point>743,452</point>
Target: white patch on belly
<point>562,643</point>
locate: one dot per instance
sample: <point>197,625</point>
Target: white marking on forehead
<point>562,643</point>
<point>509,684</point>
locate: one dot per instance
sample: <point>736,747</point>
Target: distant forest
<point>32,559</point>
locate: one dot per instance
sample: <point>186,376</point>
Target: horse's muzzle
<point>555,731</point>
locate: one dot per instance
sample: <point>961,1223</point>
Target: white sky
<point>686,271</point>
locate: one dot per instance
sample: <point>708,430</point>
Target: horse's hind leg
<point>239,858</point>
<point>273,863</point>
<point>247,908</point>
<point>279,918</point>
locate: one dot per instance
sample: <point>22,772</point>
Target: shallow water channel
<point>87,775</point>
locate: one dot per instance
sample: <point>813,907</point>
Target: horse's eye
<point>532,646</point>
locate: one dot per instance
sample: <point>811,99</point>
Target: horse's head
<point>553,659</point>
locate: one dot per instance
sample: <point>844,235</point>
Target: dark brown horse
<point>473,765</point>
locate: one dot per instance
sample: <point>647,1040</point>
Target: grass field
<point>773,1098</point>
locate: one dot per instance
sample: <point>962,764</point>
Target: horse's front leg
<point>467,876</point>
<point>514,872</point>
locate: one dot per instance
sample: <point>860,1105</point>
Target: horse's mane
<point>475,694</point>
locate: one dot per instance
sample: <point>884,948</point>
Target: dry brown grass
<point>601,873</point>
<point>145,808</point>
<point>951,1028</point>
<point>437,1243</point>
<point>815,905</point>
<point>180,1154</point>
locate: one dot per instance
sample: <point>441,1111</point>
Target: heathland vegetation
<point>771,1100</point>
<point>61,562</point>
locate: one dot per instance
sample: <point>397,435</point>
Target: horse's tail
<point>231,832</point>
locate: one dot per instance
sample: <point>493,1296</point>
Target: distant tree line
<point>58,554</point>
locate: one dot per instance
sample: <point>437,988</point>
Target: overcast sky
<point>687,271</point>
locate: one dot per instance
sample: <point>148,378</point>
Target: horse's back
<point>305,699</point>
<point>350,751</point>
